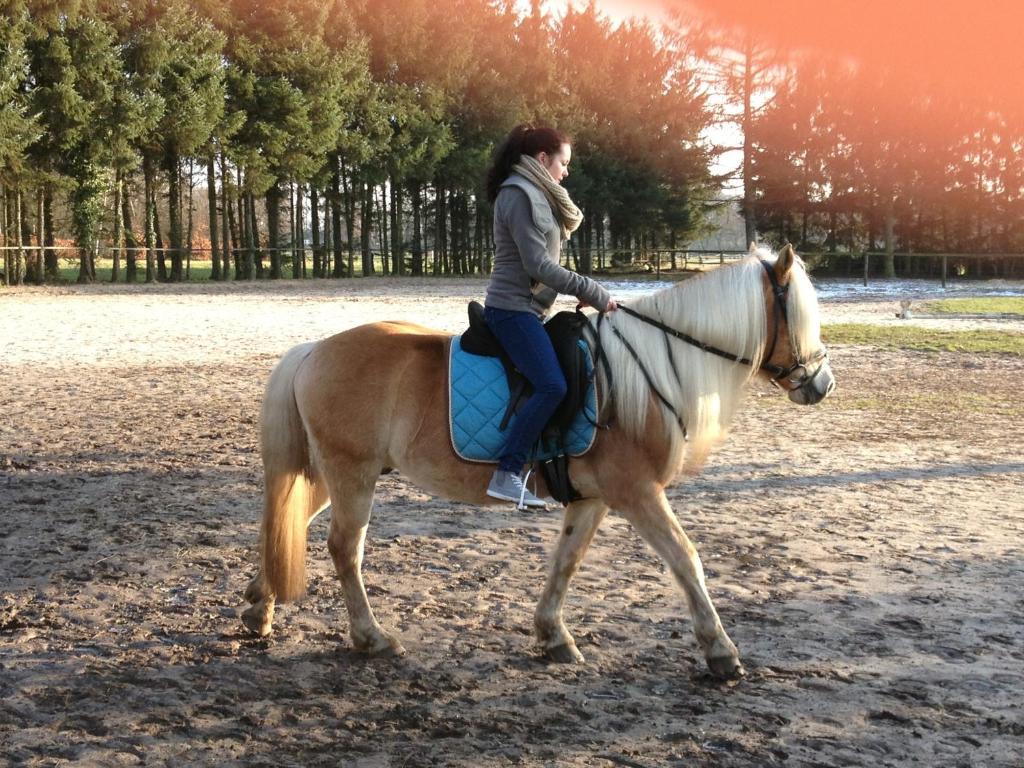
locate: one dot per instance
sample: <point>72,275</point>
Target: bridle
<point>781,314</point>
<point>777,373</point>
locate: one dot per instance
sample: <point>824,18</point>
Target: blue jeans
<point>523,337</point>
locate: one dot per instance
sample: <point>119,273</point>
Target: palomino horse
<point>339,411</point>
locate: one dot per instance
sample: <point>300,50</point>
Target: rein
<point>682,336</point>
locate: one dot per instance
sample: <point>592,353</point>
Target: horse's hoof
<point>258,619</point>
<point>564,654</point>
<point>255,592</point>
<point>384,647</point>
<point>393,650</point>
<point>727,668</point>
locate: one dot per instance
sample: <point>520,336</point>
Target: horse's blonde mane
<point>724,308</point>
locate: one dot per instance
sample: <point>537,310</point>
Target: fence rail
<point>653,260</point>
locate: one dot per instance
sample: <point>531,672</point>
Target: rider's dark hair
<point>523,140</point>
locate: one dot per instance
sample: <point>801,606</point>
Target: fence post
<point>943,270</point>
<point>866,260</point>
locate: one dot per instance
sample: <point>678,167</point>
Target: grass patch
<point>925,339</point>
<point>937,402</point>
<point>199,272</point>
<point>993,305</point>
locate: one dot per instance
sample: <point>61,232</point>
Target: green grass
<point>104,267</point>
<point>995,305</point>
<point>937,402</point>
<point>925,339</point>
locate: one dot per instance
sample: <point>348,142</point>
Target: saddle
<point>572,428</point>
<point>565,330</point>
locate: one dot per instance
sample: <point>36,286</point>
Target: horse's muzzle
<point>816,388</point>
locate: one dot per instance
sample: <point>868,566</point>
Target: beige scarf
<point>568,214</point>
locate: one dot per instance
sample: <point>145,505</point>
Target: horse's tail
<point>289,495</point>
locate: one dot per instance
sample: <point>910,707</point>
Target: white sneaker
<point>508,486</point>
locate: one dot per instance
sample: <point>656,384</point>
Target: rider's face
<point>557,164</point>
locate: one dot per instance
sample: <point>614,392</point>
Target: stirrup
<point>521,506</point>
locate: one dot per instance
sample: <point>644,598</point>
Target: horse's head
<point>794,357</point>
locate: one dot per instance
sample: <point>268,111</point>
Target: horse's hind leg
<point>581,521</point>
<point>351,502</point>
<point>653,518</point>
<point>259,616</point>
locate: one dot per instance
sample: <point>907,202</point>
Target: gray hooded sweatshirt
<point>527,243</point>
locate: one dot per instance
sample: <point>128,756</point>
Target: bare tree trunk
<point>3,235</point>
<point>348,191</point>
<point>19,240</point>
<point>150,224</point>
<point>273,199</point>
<point>130,240</point>
<point>300,233</point>
<point>441,262</point>
<point>478,238</point>
<point>396,226</point>
<point>458,253</point>
<point>115,271</point>
<point>211,202</point>
<point>366,227</point>
<point>173,168</point>
<point>335,199</point>
<point>417,229</point>
<point>37,258</point>
<point>226,221</point>
<point>191,210</point>
<point>243,258</point>
<point>254,259</point>
<point>328,233</point>
<point>385,230</point>
<point>314,221</point>
<point>51,266</point>
<point>26,238</point>
<point>254,235</point>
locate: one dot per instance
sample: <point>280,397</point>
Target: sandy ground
<point>865,555</point>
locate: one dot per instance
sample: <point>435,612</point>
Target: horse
<point>339,412</point>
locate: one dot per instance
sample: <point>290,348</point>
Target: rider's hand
<point>612,305</point>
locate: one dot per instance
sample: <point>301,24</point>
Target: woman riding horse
<point>533,216</point>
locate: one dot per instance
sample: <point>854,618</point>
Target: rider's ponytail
<point>522,140</point>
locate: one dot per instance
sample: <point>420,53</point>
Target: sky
<point>970,50</point>
<point>617,10</point>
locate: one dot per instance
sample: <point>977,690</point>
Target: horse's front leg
<point>581,521</point>
<point>652,516</point>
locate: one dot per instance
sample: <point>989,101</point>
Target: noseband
<point>776,372</point>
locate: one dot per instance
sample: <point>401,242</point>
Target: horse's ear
<point>752,249</point>
<point>784,263</point>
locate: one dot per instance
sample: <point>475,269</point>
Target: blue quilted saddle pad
<point>477,400</point>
